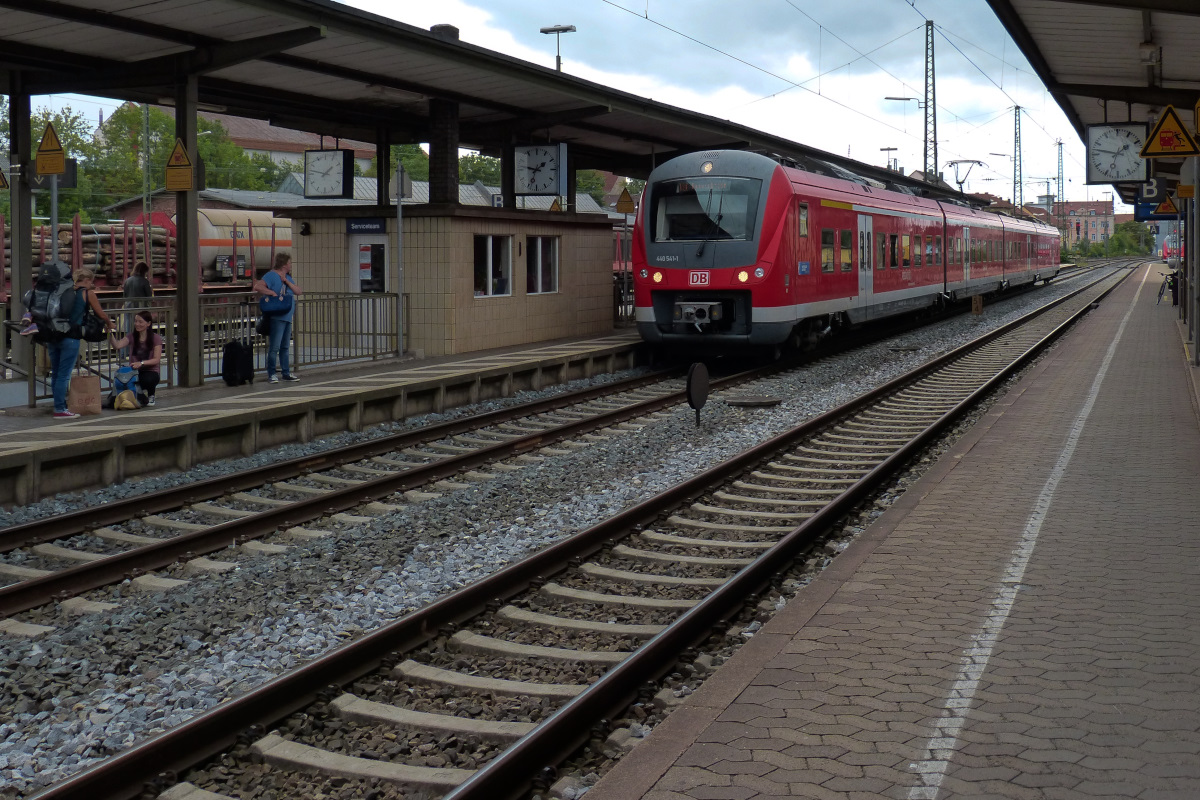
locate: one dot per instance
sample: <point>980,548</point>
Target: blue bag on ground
<point>125,379</point>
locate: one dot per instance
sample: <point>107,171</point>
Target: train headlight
<point>645,273</point>
<point>658,276</point>
<point>759,272</point>
<point>743,276</point>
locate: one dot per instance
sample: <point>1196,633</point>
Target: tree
<point>590,182</point>
<point>414,159</point>
<point>475,167</point>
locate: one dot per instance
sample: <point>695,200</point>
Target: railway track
<point>477,693</point>
<point>59,558</point>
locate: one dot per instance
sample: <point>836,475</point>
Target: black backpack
<point>51,301</point>
<point>237,363</point>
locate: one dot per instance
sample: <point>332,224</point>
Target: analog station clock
<point>1113,153</point>
<point>540,169</point>
<point>329,173</point>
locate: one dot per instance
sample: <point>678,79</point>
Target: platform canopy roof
<point>1113,60</point>
<point>324,67</point>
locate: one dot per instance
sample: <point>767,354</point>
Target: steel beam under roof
<point>1096,58</point>
<point>327,68</point>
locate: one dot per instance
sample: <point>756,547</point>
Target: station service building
<point>474,277</point>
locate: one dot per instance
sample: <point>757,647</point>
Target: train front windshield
<point>705,209</point>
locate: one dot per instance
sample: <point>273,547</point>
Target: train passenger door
<point>866,261</point>
<point>966,255</point>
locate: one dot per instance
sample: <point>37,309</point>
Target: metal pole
<point>400,320</point>
<point>1194,263</point>
<point>54,217</point>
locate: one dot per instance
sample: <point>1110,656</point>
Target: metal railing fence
<point>328,327</point>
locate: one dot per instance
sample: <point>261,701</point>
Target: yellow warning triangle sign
<point>625,202</point>
<point>1166,207</point>
<point>3,182</point>
<point>179,156</point>
<point>1169,138</point>
<point>50,142</point>
<point>555,206</point>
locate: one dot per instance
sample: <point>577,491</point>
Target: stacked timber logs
<point>109,249</point>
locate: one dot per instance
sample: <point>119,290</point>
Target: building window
<point>541,275</point>
<point>803,217</point>
<point>847,250</point>
<point>828,240</point>
<point>493,266</point>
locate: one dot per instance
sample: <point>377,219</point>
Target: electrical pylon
<point>931,156</point>
<point>1018,189</point>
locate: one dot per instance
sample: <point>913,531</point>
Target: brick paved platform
<point>1023,623</point>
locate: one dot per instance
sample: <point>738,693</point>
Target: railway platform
<point>41,456</point>
<point>1021,623</point>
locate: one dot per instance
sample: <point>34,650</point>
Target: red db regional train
<point>1170,247</point>
<point>734,249</point>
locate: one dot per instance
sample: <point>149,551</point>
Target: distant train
<point>1170,247</point>
<point>734,249</point>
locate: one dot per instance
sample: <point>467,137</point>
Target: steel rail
<point>88,519</point>
<point>122,776</point>
<point>555,738</point>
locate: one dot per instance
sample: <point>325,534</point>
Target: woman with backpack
<point>64,352</point>
<point>145,354</point>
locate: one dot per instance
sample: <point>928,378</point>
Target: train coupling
<point>698,314</point>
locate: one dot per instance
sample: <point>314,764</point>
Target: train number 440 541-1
<point>697,279</point>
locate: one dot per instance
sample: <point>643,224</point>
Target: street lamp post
<point>889,151</point>
<point>558,31</point>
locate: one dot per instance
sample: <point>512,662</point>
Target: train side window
<point>918,246</point>
<point>905,251</point>
<point>929,251</point>
<point>895,259</point>
<point>802,215</point>
<point>847,250</point>
<point>828,238</point>
<point>881,248</point>
<point>937,251</point>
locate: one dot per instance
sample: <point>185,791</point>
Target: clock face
<point>537,169</point>
<point>325,173</point>
<point>1113,153</point>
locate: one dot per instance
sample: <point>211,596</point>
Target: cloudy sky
<point>813,71</point>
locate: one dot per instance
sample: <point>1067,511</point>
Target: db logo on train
<point>697,279</point>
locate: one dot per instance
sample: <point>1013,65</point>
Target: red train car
<point>1170,248</point>
<point>732,249</point>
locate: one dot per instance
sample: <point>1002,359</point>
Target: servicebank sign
<point>371,225</point>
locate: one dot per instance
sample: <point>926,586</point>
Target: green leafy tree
<point>475,167</point>
<point>415,160</point>
<point>591,182</point>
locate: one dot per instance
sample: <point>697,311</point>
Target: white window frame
<point>505,269</point>
<point>533,263</point>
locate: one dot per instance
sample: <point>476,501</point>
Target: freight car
<point>734,249</point>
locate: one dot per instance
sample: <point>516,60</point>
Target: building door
<point>368,274</point>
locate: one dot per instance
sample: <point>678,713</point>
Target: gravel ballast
<point>97,684</point>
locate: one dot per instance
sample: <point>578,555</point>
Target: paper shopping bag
<point>83,396</point>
